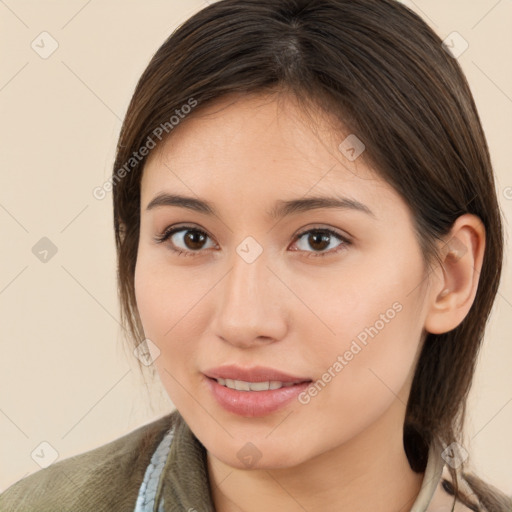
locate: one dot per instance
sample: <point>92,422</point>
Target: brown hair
<point>381,71</point>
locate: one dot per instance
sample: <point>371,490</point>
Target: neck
<point>369,472</point>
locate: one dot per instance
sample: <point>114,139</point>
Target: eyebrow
<point>281,209</point>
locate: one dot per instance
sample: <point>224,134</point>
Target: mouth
<point>251,399</point>
<point>245,377</point>
<point>242,385</point>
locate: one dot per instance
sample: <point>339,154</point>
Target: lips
<point>253,374</point>
<point>251,404</point>
<point>248,398</point>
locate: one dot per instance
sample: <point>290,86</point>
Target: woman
<point>309,244</point>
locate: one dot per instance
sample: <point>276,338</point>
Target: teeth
<point>259,386</point>
<point>241,385</point>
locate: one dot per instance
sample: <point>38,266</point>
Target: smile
<point>241,385</point>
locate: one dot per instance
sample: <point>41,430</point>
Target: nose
<point>251,305</point>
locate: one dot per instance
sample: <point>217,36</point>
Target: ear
<point>454,287</point>
<point>122,230</point>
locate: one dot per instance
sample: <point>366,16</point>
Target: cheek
<point>358,382</point>
<point>367,354</point>
<point>167,300</point>
<point>148,302</point>
<point>163,294</point>
<point>159,311</point>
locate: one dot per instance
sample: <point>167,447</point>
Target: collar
<point>177,478</point>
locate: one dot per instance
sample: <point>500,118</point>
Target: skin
<point>289,311</point>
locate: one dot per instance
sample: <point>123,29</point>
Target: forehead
<point>250,148</point>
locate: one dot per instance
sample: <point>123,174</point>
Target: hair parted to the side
<point>381,71</point>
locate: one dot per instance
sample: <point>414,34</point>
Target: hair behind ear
<point>493,499</point>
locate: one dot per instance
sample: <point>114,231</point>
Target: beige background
<point>64,377</point>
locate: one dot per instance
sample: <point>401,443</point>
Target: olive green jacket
<point>171,462</point>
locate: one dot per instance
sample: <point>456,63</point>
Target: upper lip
<point>253,374</point>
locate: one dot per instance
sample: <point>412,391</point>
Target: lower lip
<point>254,403</point>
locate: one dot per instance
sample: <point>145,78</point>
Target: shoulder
<point>106,478</point>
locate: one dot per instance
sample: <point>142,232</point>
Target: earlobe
<point>452,293</point>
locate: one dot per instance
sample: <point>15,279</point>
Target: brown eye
<point>194,240</point>
<point>319,240</point>
<point>185,240</point>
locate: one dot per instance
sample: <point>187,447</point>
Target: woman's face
<point>342,307</point>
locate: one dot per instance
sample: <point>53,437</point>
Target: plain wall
<point>64,377</point>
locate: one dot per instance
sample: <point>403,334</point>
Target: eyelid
<point>323,227</point>
<point>171,230</point>
<point>345,239</point>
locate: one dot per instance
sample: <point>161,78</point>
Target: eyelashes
<point>172,231</point>
<point>326,235</point>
